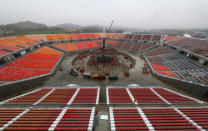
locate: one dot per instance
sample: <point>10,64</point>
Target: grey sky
<point>127,13</point>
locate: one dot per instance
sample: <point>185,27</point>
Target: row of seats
<point>46,119</point>
<point>75,119</point>
<point>90,96</point>
<point>48,51</point>
<point>42,57</point>
<point>171,38</point>
<point>31,97</point>
<point>35,119</point>
<point>121,119</point>
<point>37,37</point>
<point>78,45</point>
<point>7,115</point>
<point>59,96</point>
<point>17,73</point>
<point>59,37</point>
<point>197,46</point>
<point>146,95</point>
<point>198,115</point>
<point>172,97</point>
<point>86,96</point>
<point>188,119</point>
<point>167,119</point>
<point>129,46</point>
<point>116,35</point>
<point>30,63</point>
<point>158,51</point>
<point>118,95</point>
<point>128,119</point>
<point>12,44</point>
<point>143,37</point>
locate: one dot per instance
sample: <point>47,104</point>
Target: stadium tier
<point>158,118</point>
<point>37,63</point>
<point>8,115</point>
<point>147,37</point>
<point>9,45</point>
<point>170,38</point>
<point>18,73</point>
<point>143,37</point>
<point>130,46</point>
<point>37,37</point>
<point>197,46</point>
<point>116,36</point>
<point>156,38</point>
<point>87,96</point>
<point>117,95</point>
<point>47,119</point>
<point>158,51</point>
<point>166,62</point>
<point>31,97</point>
<point>78,45</point>
<point>51,38</point>
<point>60,37</point>
<point>58,96</point>
<point>29,63</point>
<point>146,95</point>
<point>126,119</point>
<point>138,36</point>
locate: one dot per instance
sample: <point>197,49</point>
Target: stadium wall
<point>193,88</point>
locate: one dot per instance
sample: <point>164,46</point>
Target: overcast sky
<point>145,14</point>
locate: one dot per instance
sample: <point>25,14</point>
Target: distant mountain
<point>23,26</point>
<point>69,26</point>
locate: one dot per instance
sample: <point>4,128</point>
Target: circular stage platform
<point>103,62</point>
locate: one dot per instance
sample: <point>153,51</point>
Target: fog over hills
<point>139,14</point>
<point>69,26</point>
<point>24,25</point>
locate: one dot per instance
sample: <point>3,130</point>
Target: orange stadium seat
<point>50,37</point>
<point>17,73</point>
<point>72,47</point>
<point>36,37</point>
<point>167,73</point>
<point>49,51</point>
<point>61,46</point>
<point>19,42</point>
<point>30,63</point>
<point>60,36</point>
<point>44,57</point>
<point>160,67</point>
<point>169,37</point>
<point>68,36</point>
